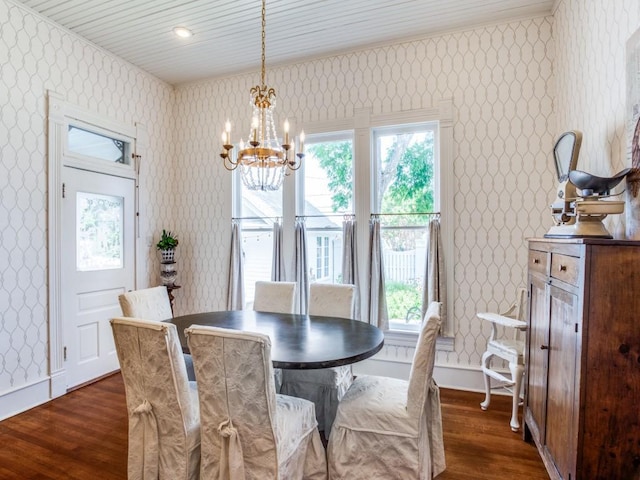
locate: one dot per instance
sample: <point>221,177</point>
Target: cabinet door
<point>560,438</point>
<point>537,355</point>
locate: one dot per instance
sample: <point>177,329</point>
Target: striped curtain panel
<point>434,278</point>
<point>301,267</point>
<point>350,261</point>
<point>235,292</point>
<point>277,265</point>
<point>378,314</point>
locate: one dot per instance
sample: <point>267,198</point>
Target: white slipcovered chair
<point>324,387</point>
<point>507,348</point>
<point>248,431</point>
<point>278,297</point>
<point>148,303</point>
<point>151,304</point>
<point>275,297</point>
<point>390,428</point>
<point>164,417</point>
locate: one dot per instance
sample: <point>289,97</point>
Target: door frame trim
<point>59,114</point>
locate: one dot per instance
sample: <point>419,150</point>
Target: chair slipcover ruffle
<point>372,414</point>
<point>324,387</point>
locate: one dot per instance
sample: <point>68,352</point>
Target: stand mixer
<point>580,214</point>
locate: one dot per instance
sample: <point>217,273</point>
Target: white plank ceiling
<point>226,36</point>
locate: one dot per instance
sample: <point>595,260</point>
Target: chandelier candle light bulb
<point>254,129</point>
<point>286,132</point>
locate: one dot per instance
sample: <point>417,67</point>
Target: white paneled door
<point>98,263</point>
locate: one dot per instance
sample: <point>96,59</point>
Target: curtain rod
<point>407,213</point>
<point>337,215</point>
<point>256,218</point>
<point>328,215</point>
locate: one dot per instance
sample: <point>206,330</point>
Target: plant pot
<point>168,256</point>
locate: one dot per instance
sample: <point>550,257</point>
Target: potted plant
<point>167,244</point>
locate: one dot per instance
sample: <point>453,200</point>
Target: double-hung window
<point>403,165</point>
<point>325,196</point>
<point>394,166</point>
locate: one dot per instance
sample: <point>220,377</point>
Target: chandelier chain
<point>264,23</point>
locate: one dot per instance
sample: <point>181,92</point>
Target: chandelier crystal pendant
<point>263,161</point>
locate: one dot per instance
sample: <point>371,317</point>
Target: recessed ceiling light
<point>182,32</point>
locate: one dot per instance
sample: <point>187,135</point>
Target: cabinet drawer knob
<point>562,268</point>
<point>536,260</point>
<point>544,347</point>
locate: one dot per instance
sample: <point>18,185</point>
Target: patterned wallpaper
<point>501,81</point>
<point>591,93</point>
<point>36,56</point>
<point>515,86</point>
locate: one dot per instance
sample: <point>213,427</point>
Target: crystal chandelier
<point>263,161</point>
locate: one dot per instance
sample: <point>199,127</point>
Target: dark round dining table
<point>297,341</point>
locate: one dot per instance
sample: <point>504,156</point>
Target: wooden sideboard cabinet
<point>582,388</point>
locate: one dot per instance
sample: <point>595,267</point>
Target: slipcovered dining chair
<point>248,431</point>
<point>151,304</point>
<point>163,408</point>
<point>390,428</point>
<point>324,387</point>
<point>275,297</point>
<point>278,297</point>
<point>510,349</point>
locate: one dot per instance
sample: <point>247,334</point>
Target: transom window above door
<point>89,144</point>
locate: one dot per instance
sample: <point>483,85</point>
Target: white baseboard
<point>58,384</point>
<point>24,398</point>
<point>446,376</point>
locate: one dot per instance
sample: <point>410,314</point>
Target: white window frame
<point>442,114</point>
<point>403,128</point>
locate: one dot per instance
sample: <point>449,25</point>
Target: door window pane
<point>100,231</point>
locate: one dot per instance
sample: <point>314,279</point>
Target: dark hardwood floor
<point>83,436</point>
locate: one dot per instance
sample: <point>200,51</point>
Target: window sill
<point>399,338</point>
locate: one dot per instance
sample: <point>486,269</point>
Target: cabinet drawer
<point>565,268</point>
<point>538,261</point>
